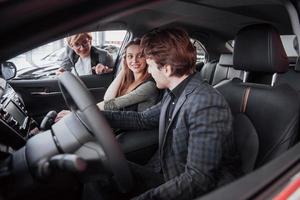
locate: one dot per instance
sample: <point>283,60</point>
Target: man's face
<point>159,75</point>
<point>82,47</point>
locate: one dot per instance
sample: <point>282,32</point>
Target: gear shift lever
<point>48,120</point>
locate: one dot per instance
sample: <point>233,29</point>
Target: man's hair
<point>170,46</point>
<point>72,39</point>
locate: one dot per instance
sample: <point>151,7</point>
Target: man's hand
<point>61,114</point>
<point>59,71</point>
<point>100,69</point>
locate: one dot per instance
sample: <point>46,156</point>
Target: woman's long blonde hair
<point>128,83</point>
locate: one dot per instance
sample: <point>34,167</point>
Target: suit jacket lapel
<point>163,131</point>
<point>162,119</point>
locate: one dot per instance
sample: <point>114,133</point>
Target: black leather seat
<point>224,70</point>
<point>265,115</point>
<point>208,70</point>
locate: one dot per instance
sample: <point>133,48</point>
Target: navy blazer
<point>197,151</point>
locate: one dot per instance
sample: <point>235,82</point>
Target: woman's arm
<point>113,88</point>
<point>140,94</point>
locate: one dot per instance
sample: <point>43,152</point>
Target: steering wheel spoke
<point>78,98</point>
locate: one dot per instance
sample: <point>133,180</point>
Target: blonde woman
<point>133,88</point>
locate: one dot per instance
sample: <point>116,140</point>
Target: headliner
<point>30,23</point>
<point>223,17</point>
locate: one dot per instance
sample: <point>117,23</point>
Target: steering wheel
<point>78,98</point>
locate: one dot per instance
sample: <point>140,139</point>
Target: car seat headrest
<point>226,60</point>
<point>258,48</point>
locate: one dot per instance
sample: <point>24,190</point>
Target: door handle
<point>44,93</point>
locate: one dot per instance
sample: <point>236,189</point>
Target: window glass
<point>289,43</point>
<point>231,43</point>
<point>201,51</point>
<point>42,62</point>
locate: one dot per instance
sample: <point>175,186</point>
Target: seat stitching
<point>245,100</point>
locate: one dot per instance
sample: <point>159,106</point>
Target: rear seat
<point>217,73</point>
<point>208,70</point>
<point>224,70</point>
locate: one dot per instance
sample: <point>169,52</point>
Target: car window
<point>290,45</point>
<point>201,51</point>
<point>43,61</point>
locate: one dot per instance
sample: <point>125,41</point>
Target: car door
<point>37,83</point>
<point>41,96</point>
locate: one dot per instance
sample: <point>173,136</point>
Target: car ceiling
<point>213,22</point>
<point>210,21</point>
<point>225,17</point>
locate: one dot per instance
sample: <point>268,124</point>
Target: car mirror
<point>8,70</point>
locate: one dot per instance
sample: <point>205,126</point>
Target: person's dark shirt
<point>175,94</point>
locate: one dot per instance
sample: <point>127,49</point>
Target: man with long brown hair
<point>196,145</point>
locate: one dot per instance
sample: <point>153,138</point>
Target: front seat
<point>265,116</point>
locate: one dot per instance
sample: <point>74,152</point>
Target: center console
<point>14,121</point>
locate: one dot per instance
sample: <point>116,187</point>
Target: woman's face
<point>82,46</point>
<point>134,59</point>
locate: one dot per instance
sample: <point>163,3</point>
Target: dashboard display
<point>15,112</point>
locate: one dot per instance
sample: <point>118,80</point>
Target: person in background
<point>133,88</point>
<point>81,58</point>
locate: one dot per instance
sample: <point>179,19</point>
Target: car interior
<point>249,53</point>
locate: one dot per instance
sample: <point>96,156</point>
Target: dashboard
<point>14,122</point>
